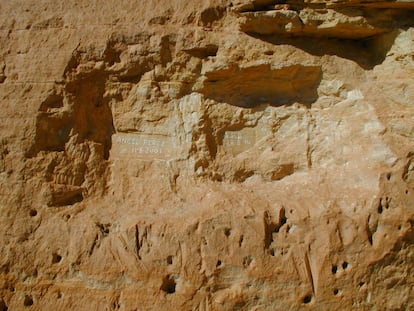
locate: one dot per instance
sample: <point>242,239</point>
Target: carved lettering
<point>241,140</point>
<point>145,146</point>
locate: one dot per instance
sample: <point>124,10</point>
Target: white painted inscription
<point>241,140</point>
<point>145,146</point>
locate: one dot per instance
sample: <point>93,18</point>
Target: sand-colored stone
<point>206,155</point>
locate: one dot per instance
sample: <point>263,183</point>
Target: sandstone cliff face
<point>207,155</point>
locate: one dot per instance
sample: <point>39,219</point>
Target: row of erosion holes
<point>335,270</point>
<point>56,258</point>
<point>384,204</point>
<point>27,302</point>
<point>169,285</point>
<point>169,282</point>
<point>33,213</point>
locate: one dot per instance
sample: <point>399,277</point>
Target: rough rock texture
<point>206,155</point>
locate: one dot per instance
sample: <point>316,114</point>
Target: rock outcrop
<point>207,155</point>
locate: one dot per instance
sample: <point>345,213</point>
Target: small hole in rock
<point>380,209</point>
<point>168,285</point>
<point>170,260</point>
<point>56,258</point>
<point>104,228</point>
<point>59,295</point>
<point>227,231</point>
<point>67,217</point>
<point>28,301</point>
<point>406,191</point>
<point>269,52</point>
<point>334,269</point>
<point>272,252</point>
<point>361,284</point>
<point>219,263</point>
<point>33,213</point>
<point>399,227</point>
<point>307,299</point>
<point>336,291</point>
<point>241,240</point>
<point>345,265</point>
<point>247,261</point>
<point>388,176</point>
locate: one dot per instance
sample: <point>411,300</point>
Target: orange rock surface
<point>206,155</point>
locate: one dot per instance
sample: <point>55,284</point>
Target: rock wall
<point>207,155</point>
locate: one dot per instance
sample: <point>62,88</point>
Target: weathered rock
<point>347,22</point>
<point>207,155</point>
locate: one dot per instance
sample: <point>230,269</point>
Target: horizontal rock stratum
<point>206,155</point>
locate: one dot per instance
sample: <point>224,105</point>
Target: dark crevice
<point>259,5</point>
<point>130,78</point>
<point>241,239</point>
<point>209,50</point>
<point>367,52</point>
<point>104,228</point>
<point>271,226</point>
<point>369,235</point>
<point>53,101</point>
<point>65,195</point>
<point>3,305</point>
<point>257,85</point>
<point>282,220</point>
<point>241,175</point>
<point>247,261</point>
<point>371,227</point>
<point>111,54</point>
